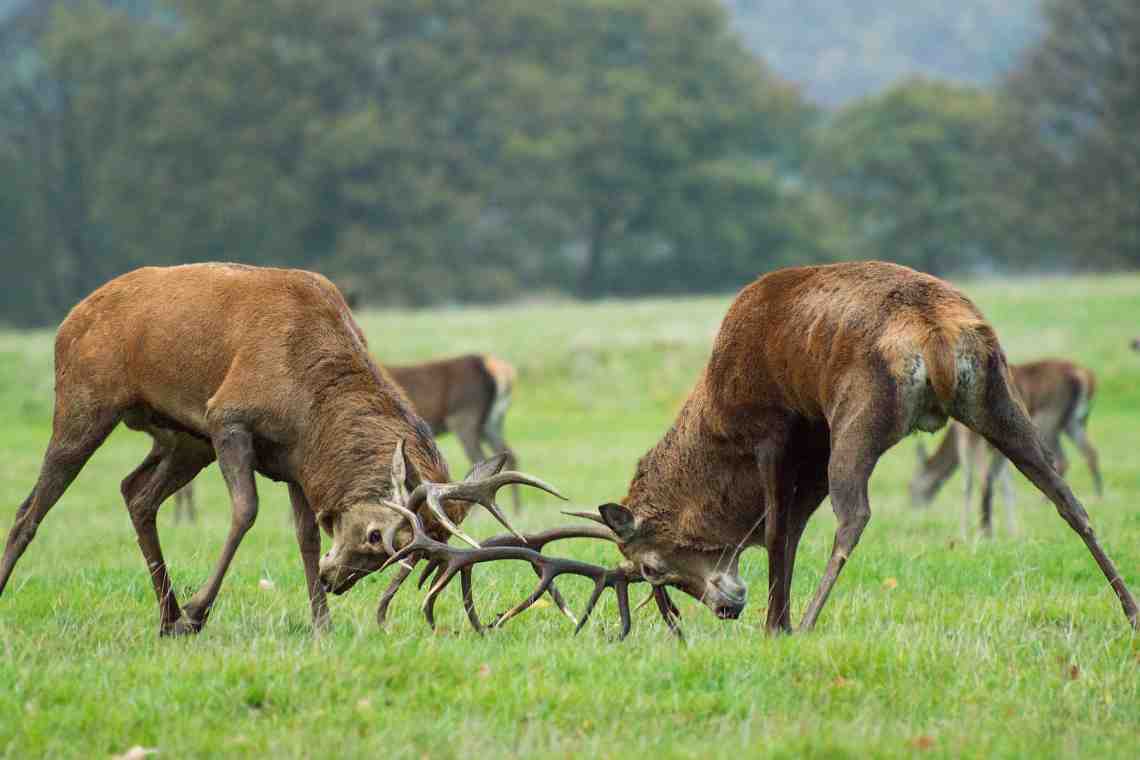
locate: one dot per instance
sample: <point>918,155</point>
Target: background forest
<point>441,151</point>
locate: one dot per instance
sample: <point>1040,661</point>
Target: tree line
<point>438,151</point>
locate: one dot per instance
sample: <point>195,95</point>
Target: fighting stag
<point>814,374</point>
<point>265,371</point>
<point>1058,395</point>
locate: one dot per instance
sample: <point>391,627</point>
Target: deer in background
<point>467,395</point>
<point>265,371</point>
<point>1058,395</point>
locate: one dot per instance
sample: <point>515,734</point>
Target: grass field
<point>928,645</point>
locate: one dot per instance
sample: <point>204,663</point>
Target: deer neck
<point>698,487</point>
<point>353,432</point>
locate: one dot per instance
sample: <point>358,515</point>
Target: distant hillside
<point>838,50</point>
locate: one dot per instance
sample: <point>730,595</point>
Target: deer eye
<point>374,536</point>
<point>653,571</point>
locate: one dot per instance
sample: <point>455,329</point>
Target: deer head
<point>365,536</point>
<point>711,576</point>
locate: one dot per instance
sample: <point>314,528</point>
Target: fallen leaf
<point>265,584</point>
<point>364,704</point>
<point>841,683</point>
<point>890,583</point>
<point>484,671</point>
<point>1074,672</point>
<point>135,753</point>
<point>923,742</point>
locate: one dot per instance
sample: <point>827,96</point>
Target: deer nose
<point>730,589</point>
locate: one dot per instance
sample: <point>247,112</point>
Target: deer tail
<point>941,365</point>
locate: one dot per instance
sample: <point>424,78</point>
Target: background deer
<point>264,370</point>
<point>467,395</point>
<point>815,372</point>
<point>1058,395</point>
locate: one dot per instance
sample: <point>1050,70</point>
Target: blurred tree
<point>915,168</point>
<point>1079,94</point>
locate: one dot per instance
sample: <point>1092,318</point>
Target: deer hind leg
<point>309,541</point>
<point>858,440</point>
<point>73,441</point>
<point>1077,431</point>
<point>172,463</point>
<point>966,452</point>
<point>184,504</point>
<point>1004,424</point>
<point>233,444</point>
<point>995,470</point>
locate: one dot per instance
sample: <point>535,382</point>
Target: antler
<point>479,487</point>
<point>448,561</point>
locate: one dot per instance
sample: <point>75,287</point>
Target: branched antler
<point>479,487</point>
<point>448,561</point>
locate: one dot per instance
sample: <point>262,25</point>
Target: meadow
<point>929,645</point>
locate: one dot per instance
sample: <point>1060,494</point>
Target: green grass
<point>1005,648</point>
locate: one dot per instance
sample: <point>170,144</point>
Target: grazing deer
<point>266,371</point>
<point>1058,395</point>
<point>468,395</point>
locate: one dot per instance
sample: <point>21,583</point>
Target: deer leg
<point>810,492</point>
<point>966,457</point>
<point>1006,427</point>
<point>858,440</point>
<point>309,541</point>
<point>73,441</point>
<point>234,446</point>
<point>1009,497</point>
<point>995,469</point>
<point>166,469</point>
<point>769,459</point>
<point>1077,431</point>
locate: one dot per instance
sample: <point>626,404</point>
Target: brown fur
<point>264,369</point>
<point>1057,394</point>
<point>816,371</point>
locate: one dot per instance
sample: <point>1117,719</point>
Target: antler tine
<point>448,561</point>
<point>668,611</point>
<point>390,592</point>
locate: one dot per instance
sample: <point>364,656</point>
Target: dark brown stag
<point>1058,395</point>
<point>815,373</point>
<point>266,371</point>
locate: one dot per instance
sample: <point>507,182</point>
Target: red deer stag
<point>1058,395</point>
<point>467,395</point>
<point>266,371</point>
<point>816,371</point>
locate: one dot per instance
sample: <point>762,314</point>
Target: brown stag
<point>266,371</point>
<point>467,395</point>
<point>815,373</point>
<point>1058,395</point>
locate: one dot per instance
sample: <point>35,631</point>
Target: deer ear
<point>487,468</point>
<point>620,520</point>
<point>405,476</point>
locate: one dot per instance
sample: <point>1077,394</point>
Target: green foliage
<point>915,166</point>
<point>969,654</point>
<point>1079,95</point>
<point>423,152</point>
